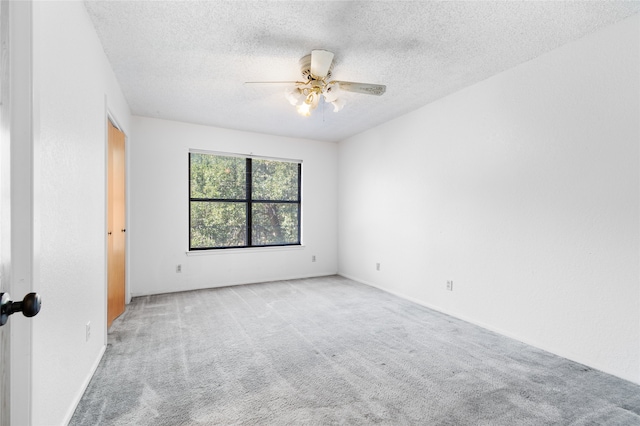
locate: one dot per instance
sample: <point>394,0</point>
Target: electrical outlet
<point>377,266</point>
<point>88,331</point>
<point>313,258</point>
<point>450,285</point>
<point>179,268</point>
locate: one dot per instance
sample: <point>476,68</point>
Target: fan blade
<point>320,62</point>
<point>274,82</point>
<point>365,88</point>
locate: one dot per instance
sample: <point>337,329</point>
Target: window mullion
<point>190,224</point>
<point>248,196</point>
<point>299,202</point>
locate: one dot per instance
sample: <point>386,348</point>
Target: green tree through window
<point>243,202</point>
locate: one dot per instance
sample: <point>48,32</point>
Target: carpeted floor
<point>331,351</point>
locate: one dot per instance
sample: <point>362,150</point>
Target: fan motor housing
<point>305,69</point>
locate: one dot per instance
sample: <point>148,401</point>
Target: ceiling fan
<point>316,70</point>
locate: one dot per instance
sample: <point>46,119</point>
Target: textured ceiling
<point>187,61</point>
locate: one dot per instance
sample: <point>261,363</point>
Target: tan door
<point>116,225</point>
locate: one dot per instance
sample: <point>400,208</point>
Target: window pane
<point>218,224</point>
<point>275,223</point>
<point>275,180</point>
<point>213,176</point>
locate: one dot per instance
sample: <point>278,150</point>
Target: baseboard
<point>497,330</point>
<point>83,388</point>
<point>235,283</point>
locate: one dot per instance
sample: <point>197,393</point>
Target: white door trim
<point>21,196</point>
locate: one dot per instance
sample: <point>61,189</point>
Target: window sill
<point>243,250</point>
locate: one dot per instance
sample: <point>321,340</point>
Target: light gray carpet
<point>331,351</point>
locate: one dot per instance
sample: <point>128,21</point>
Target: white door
<point>4,218</point>
<point>16,191</point>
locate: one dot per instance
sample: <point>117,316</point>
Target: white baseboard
<point>234,283</point>
<point>487,327</point>
<point>83,388</point>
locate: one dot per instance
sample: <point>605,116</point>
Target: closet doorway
<point>116,224</point>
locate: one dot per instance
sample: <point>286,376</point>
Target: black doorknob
<point>30,306</point>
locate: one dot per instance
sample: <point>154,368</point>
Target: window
<point>243,202</point>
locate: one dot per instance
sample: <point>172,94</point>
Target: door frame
<point>5,209</point>
<point>111,116</point>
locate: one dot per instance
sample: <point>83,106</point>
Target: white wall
<point>71,79</point>
<point>524,190</point>
<point>159,225</point>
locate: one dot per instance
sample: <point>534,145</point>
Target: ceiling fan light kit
<point>316,70</point>
<point>306,97</point>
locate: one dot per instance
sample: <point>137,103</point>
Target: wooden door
<point>116,225</point>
